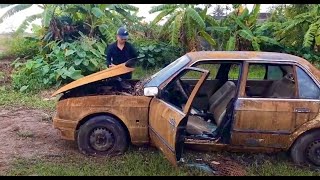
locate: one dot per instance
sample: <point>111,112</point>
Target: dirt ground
<point>5,71</point>
<point>29,133</point>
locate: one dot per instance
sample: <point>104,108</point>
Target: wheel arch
<point>88,117</point>
<point>302,134</point>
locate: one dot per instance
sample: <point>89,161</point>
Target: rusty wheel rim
<point>101,139</point>
<point>313,152</point>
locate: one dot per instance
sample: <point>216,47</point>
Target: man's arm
<point>108,57</point>
<point>134,53</point>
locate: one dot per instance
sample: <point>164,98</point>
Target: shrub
<point>156,53</point>
<point>23,47</point>
<point>65,62</point>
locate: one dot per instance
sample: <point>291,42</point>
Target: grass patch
<point>135,162</point>
<point>277,164</point>
<point>9,97</point>
<point>281,168</point>
<point>146,162</point>
<point>2,76</point>
<point>25,134</point>
<point>140,73</point>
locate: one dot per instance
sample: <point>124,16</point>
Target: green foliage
<point>184,23</point>
<point>13,10</point>
<point>156,53</point>
<point>10,98</point>
<point>65,62</point>
<point>23,47</point>
<point>135,162</point>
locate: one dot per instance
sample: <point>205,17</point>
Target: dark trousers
<point>126,76</point>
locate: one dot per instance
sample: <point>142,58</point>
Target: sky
<point>12,23</point>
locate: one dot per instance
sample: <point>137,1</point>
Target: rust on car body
<point>104,74</point>
<point>250,123</point>
<point>132,111</point>
<point>253,56</point>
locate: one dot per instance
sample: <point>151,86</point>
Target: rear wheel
<point>307,149</point>
<point>102,135</point>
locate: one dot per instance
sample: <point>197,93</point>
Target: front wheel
<point>307,149</point>
<point>102,135</point>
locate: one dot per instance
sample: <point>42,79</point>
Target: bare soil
<point>29,133</point>
<point>5,71</point>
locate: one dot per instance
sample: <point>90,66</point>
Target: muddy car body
<point>235,101</point>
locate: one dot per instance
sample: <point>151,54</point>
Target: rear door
<point>167,120</point>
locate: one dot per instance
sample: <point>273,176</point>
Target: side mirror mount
<point>150,91</point>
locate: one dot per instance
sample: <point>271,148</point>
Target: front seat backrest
<point>220,99</point>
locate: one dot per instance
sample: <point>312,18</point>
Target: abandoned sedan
<point>233,101</point>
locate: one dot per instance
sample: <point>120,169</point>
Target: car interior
<point>272,81</point>
<point>212,102</point>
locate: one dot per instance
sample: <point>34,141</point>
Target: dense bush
<point>23,47</point>
<point>156,53</point>
<point>66,62</point>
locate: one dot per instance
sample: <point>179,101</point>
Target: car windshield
<point>167,72</point>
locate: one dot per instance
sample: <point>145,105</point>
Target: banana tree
<point>184,23</point>
<point>241,30</point>
<point>45,15</point>
<point>91,19</point>
<point>308,25</point>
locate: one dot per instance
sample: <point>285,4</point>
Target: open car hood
<point>104,74</point>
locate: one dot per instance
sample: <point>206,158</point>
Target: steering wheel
<point>181,88</point>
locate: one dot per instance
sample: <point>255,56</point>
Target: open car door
<point>167,122</point>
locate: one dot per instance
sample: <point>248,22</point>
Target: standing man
<point>121,51</point>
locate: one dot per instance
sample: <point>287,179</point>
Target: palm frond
<point>288,26</point>
<point>188,28</point>
<point>5,5</point>
<point>208,38</point>
<point>176,25</point>
<point>125,14</point>
<point>231,44</point>
<point>239,23</point>
<point>203,13</point>
<point>162,7</point>
<point>26,22</point>
<point>309,36</point>
<point>112,19</point>
<point>266,26</point>
<point>212,21</point>
<point>254,14</point>
<point>317,38</point>
<point>217,29</point>
<point>47,15</point>
<point>161,15</point>
<point>255,45</point>
<point>196,17</point>
<point>244,14</point>
<point>169,21</point>
<point>14,10</point>
<point>246,35</point>
<point>126,7</point>
<point>269,40</point>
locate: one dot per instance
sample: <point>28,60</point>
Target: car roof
<point>252,56</point>
<point>242,55</point>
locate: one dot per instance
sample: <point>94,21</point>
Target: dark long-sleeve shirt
<point>117,56</point>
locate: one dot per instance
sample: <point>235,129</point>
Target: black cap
<point>123,33</point>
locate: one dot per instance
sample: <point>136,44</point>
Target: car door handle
<point>172,122</point>
<point>302,110</point>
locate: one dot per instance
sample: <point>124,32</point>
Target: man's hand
<point>111,65</point>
